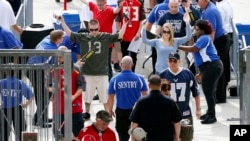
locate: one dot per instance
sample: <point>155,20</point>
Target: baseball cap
<point>138,133</point>
<point>104,115</point>
<point>174,55</point>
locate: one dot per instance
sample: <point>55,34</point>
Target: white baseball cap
<point>138,133</point>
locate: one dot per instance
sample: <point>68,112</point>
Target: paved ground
<point>227,114</point>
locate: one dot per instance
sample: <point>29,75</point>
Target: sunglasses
<point>94,29</point>
<point>186,0</point>
<point>165,32</point>
<point>172,60</point>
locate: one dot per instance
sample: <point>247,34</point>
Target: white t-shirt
<point>7,15</point>
<point>226,11</point>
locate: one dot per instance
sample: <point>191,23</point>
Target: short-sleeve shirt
<point>105,17</point>
<point>177,22</point>
<point>45,44</point>
<point>156,113</point>
<point>97,64</point>
<point>12,91</point>
<point>135,12</point>
<point>212,14</point>
<point>207,51</point>
<point>8,40</point>
<point>74,47</point>
<point>77,83</point>
<point>182,84</point>
<point>127,86</point>
<point>91,133</point>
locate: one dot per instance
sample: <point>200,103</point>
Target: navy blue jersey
<point>182,83</point>
<point>177,22</point>
<point>12,91</point>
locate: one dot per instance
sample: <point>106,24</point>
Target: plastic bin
<point>244,29</point>
<point>71,18</point>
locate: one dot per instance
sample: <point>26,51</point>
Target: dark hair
<point>155,80</point>
<point>204,25</point>
<point>165,86</point>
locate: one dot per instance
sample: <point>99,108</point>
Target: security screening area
<point>29,116</point>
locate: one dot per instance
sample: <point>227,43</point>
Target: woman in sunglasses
<point>209,64</point>
<point>167,43</point>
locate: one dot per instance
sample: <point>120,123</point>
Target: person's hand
<point>111,112</point>
<point>137,36</point>
<point>186,17</point>
<point>198,78</point>
<point>198,113</point>
<point>58,17</point>
<point>80,63</point>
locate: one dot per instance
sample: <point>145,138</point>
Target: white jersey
<point>7,15</point>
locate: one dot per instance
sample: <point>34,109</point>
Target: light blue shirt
<point>162,50</point>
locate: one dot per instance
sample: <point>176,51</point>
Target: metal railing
<point>37,77</point>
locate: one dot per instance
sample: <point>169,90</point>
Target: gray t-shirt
<point>97,64</point>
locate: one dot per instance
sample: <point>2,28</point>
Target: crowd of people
<point>158,109</point>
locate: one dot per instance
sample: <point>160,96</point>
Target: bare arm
<point>158,30</point>
<point>177,128</point>
<point>17,28</point>
<point>119,6</point>
<point>123,29</point>
<point>77,93</point>
<point>188,48</point>
<point>148,26</point>
<point>198,106</point>
<point>110,104</point>
<point>212,35</point>
<point>133,125</point>
<point>64,26</point>
<point>28,102</point>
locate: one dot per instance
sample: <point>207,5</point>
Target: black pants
<point>122,123</point>
<point>42,96</point>
<point>109,63</point>
<point>125,52</point>
<point>222,45</point>
<point>13,116</point>
<point>154,58</point>
<point>211,72</point>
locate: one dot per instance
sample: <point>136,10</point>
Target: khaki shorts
<point>101,83</point>
<point>187,132</point>
<point>117,46</point>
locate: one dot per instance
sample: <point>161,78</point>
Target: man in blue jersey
<point>50,42</point>
<point>221,42</point>
<point>128,87</point>
<point>8,41</point>
<point>12,91</point>
<point>174,17</point>
<point>182,84</point>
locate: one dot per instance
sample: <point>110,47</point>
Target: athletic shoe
<point>117,67</point>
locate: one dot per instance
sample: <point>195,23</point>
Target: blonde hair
<point>170,27</point>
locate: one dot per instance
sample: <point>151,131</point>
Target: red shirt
<point>105,17</point>
<point>77,103</point>
<point>134,10</point>
<point>89,133</point>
